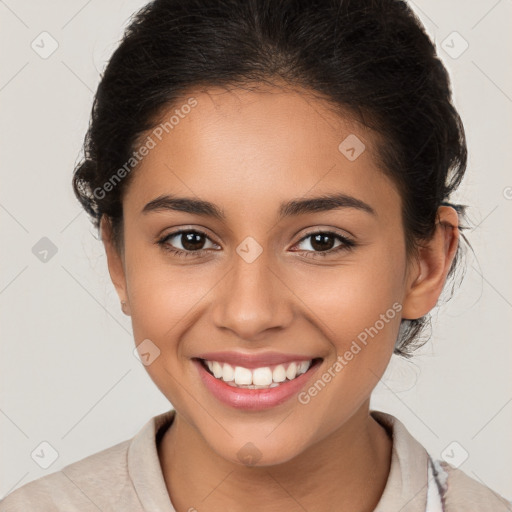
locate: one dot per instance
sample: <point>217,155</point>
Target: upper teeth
<point>265,376</point>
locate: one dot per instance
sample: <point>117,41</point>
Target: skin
<point>247,151</point>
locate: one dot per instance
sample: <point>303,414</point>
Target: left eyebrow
<point>291,208</point>
<point>322,203</point>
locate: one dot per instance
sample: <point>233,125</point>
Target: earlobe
<point>115,263</point>
<point>125,308</point>
<point>435,258</point>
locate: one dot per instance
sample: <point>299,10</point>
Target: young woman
<point>271,179</point>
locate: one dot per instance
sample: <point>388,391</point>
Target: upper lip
<point>253,360</point>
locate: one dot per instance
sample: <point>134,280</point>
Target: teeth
<point>253,386</point>
<point>257,378</point>
<point>291,372</point>
<point>303,367</point>
<point>262,376</point>
<point>279,373</point>
<point>228,374</point>
<point>217,369</point>
<point>243,375</point>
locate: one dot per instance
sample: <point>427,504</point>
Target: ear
<point>429,271</point>
<point>115,261</point>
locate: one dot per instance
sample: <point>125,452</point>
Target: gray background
<point>68,373</point>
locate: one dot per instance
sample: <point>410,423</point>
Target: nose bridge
<point>252,299</point>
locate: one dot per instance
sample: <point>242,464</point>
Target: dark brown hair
<point>368,57</point>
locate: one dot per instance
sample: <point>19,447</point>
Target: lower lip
<point>253,399</point>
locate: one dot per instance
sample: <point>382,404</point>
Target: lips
<point>265,368</point>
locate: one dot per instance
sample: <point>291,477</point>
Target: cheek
<point>357,309</point>
<point>163,296</point>
<point>350,298</point>
<point>166,293</point>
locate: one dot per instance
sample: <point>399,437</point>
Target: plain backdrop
<point>68,374</point>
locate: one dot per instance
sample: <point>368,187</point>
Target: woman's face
<point>263,284</point>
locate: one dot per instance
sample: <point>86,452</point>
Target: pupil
<point>319,242</point>
<point>191,241</point>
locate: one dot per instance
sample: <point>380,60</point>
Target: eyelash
<point>346,245</point>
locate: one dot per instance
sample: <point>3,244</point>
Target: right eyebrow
<point>184,204</point>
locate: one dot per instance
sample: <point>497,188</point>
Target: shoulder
<point>441,485</point>
<point>461,492</point>
<point>90,484</point>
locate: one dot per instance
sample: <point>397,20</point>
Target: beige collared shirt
<point>128,477</point>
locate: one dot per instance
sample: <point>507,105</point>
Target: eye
<point>192,242</point>
<point>322,243</point>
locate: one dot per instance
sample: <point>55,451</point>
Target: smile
<point>265,377</point>
<point>251,385</point>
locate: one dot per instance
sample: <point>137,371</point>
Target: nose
<point>252,299</point>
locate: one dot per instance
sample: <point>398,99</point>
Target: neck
<point>198,478</point>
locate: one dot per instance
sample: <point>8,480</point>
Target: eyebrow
<point>295,207</point>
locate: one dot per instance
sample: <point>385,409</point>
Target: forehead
<point>233,147</point>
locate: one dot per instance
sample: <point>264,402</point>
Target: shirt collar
<point>406,487</point>
<point>144,465</point>
<point>405,490</point>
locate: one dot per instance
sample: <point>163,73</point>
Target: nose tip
<point>251,301</point>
